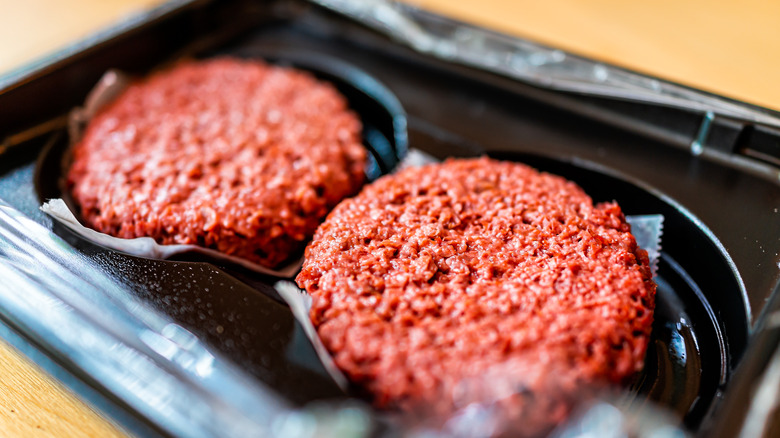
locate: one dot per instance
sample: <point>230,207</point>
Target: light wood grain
<point>34,405</point>
<point>726,47</point>
<point>731,48</point>
<point>30,29</point>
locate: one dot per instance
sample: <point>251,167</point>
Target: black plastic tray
<point>719,266</point>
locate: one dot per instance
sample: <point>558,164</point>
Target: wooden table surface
<point>730,48</point>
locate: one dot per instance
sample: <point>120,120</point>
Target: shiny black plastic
<point>721,241</point>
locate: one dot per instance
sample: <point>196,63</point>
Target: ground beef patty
<point>229,154</point>
<point>441,273</point>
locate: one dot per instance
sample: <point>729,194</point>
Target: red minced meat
<point>440,274</point>
<point>233,155</point>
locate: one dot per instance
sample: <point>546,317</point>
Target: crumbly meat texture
<point>443,273</point>
<point>233,155</point>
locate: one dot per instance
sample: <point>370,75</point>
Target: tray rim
<point>51,64</point>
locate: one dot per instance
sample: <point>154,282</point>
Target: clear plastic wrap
<point>530,62</point>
